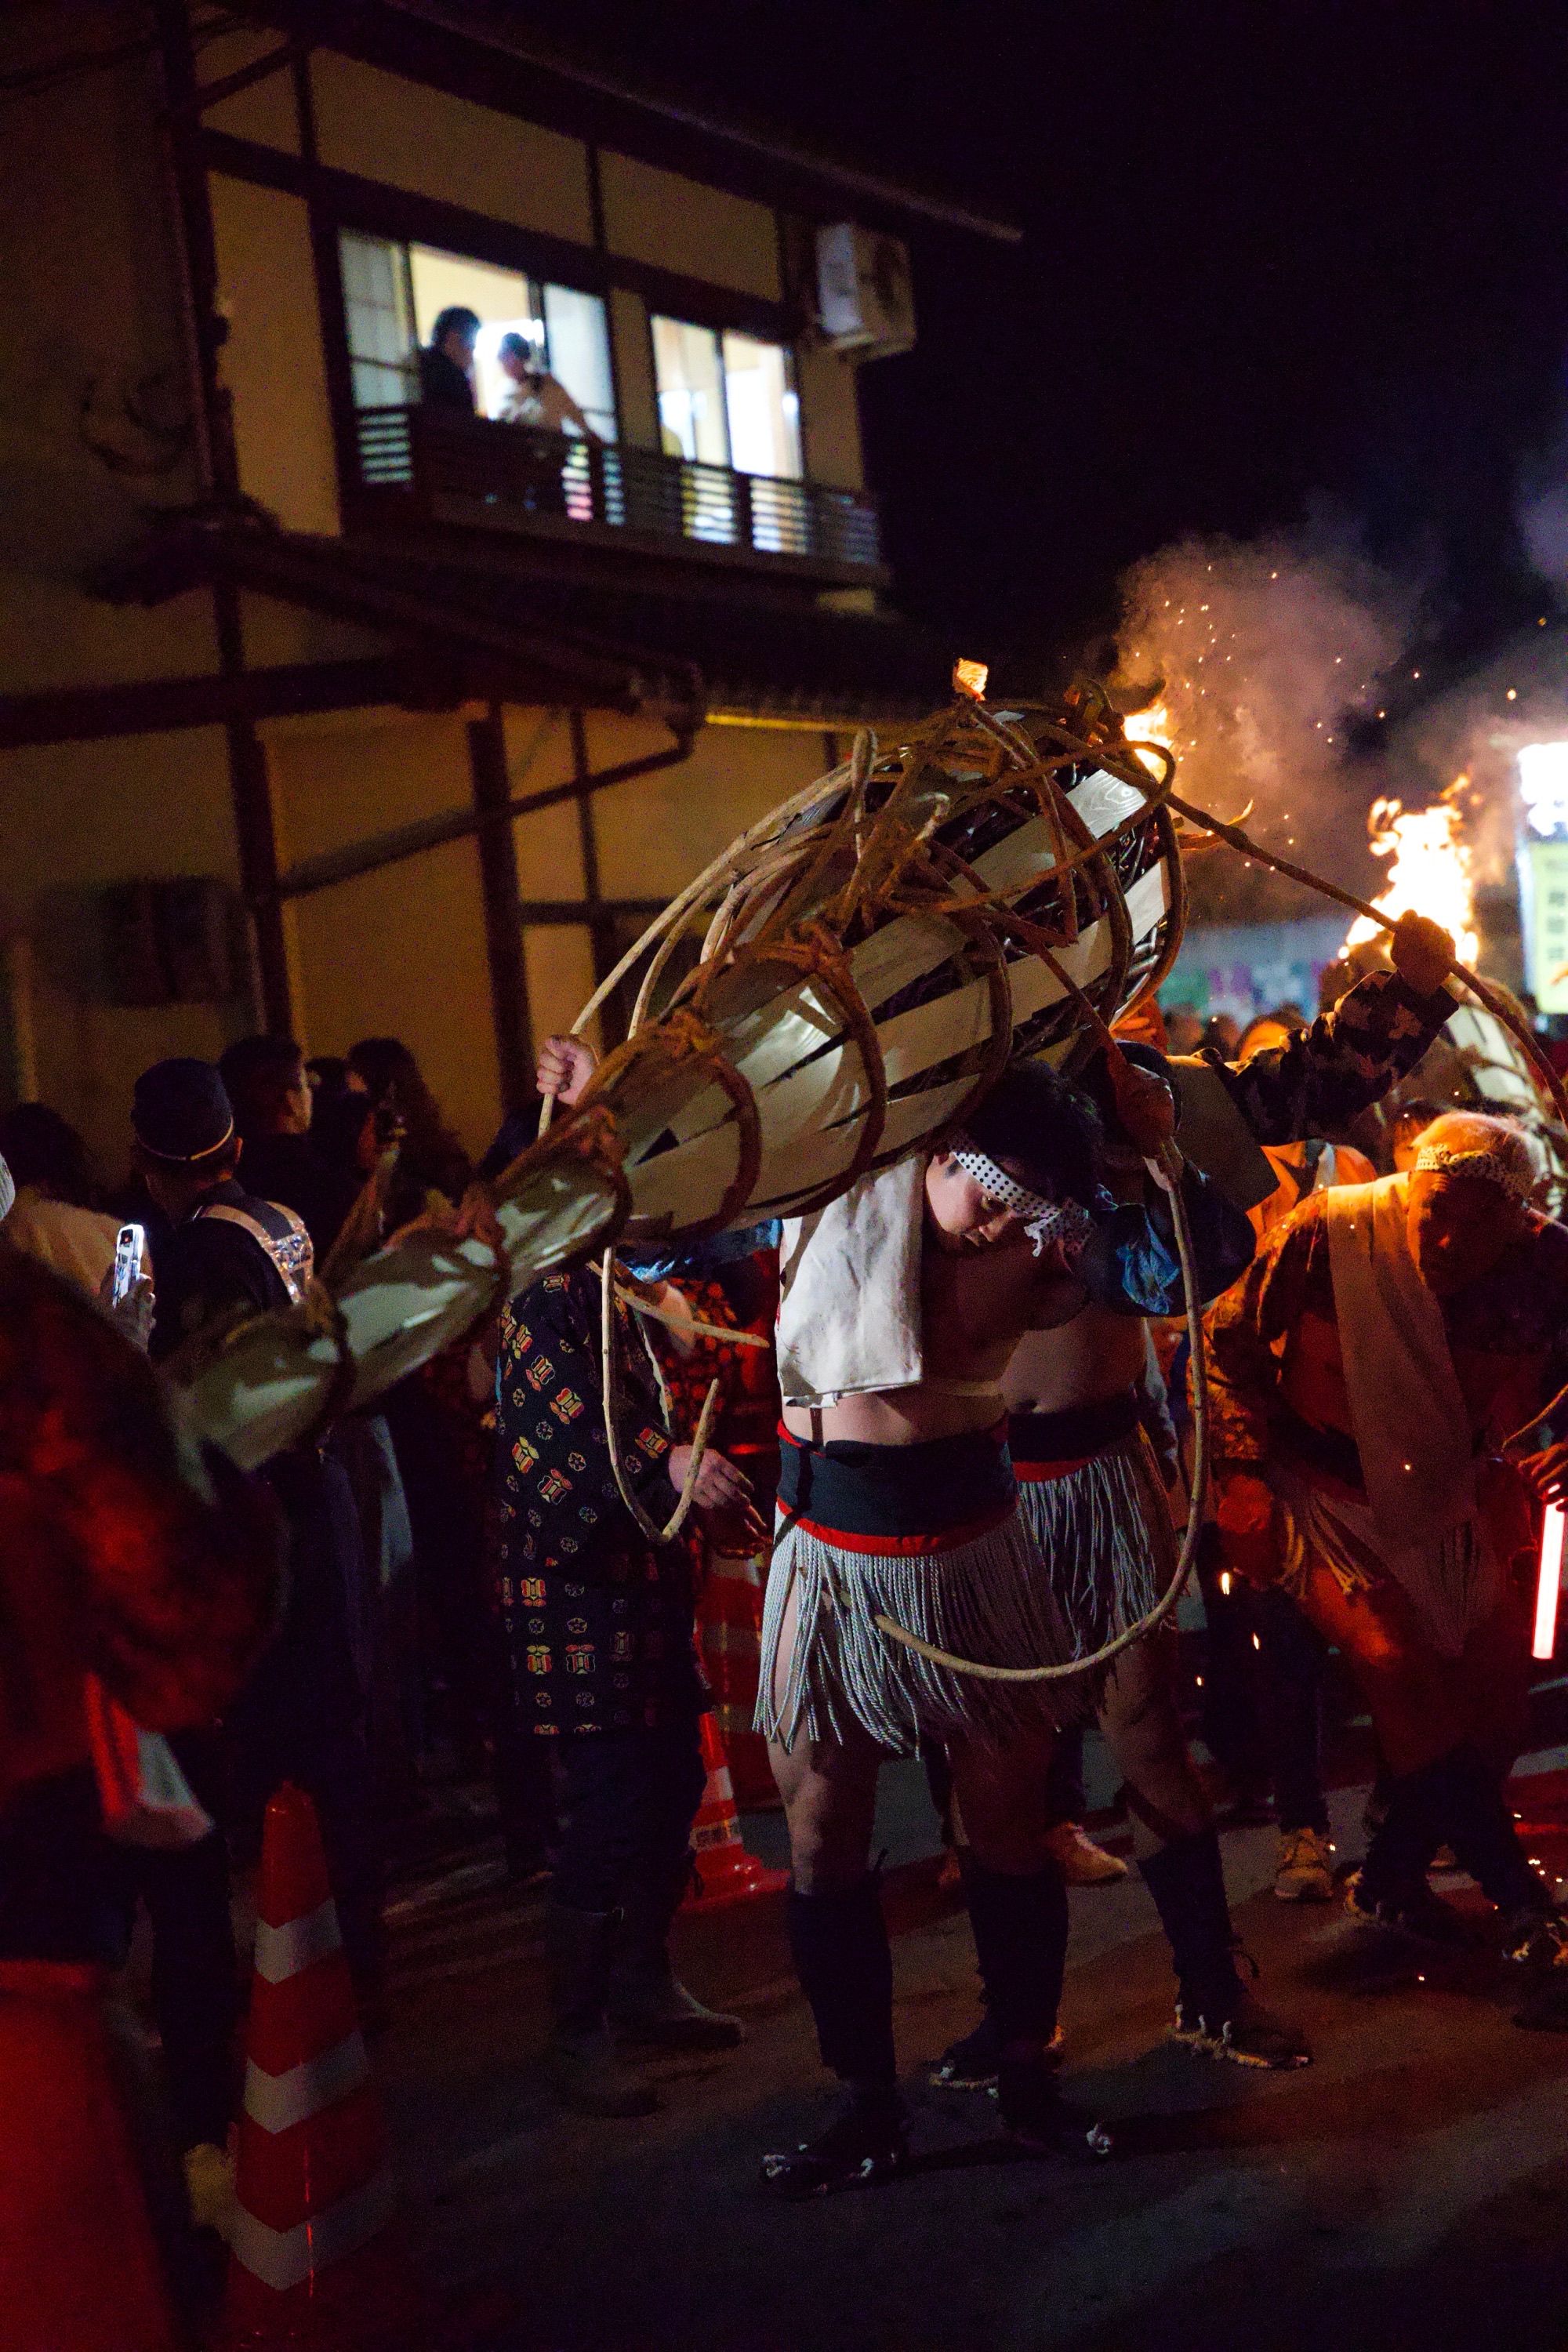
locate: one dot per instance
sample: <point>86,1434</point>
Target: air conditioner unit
<point>864,295</point>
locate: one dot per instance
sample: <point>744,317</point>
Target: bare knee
<point>1001,1801</point>
<point>829,1804</point>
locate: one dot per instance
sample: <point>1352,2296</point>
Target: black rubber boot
<point>1020,1924</point>
<point>583,2061</point>
<point>1020,1927</point>
<point>1037,2119</point>
<point>1216,2013</point>
<point>867,2143</point>
<point>1390,1889</point>
<point>1466,1803</point>
<point>846,1967</point>
<point>648,2002</point>
<point>839,1942</point>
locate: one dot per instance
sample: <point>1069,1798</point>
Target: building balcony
<point>423,465</point>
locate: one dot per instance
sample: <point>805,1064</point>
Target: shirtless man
<point>897,1500</point>
<point>1095,1509</point>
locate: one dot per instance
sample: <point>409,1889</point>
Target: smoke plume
<point>1263,654</point>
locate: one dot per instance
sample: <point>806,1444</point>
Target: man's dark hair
<point>41,1148</point>
<point>258,1072</point>
<point>522,347</point>
<point>1045,1126</point>
<point>456,319</point>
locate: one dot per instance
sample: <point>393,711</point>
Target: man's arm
<point>1348,1057</point>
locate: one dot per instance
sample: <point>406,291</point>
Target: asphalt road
<point>1409,2190</point>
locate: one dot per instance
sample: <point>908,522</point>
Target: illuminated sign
<point>1543,871</point>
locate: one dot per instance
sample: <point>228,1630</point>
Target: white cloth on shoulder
<point>849,1297</point>
<point>1408,1416</point>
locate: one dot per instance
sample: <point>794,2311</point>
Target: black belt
<point>898,1490</point>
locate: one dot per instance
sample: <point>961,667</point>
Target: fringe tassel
<point>1106,1547</point>
<point>1453,1585</point>
<point>985,1598</point>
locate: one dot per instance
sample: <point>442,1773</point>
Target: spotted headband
<point>1062,1222</point>
<point>1442,1159</point>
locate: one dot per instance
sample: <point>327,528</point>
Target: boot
<point>646,2001</point>
<point>1216,2013</point>
<point>839,1941</point>
<point>1467,1804</point>
<point>583,2062</point>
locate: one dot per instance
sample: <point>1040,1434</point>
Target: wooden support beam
<point>85,714</point>
<point>502,894</point>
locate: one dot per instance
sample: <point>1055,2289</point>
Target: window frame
<point>779,341</point>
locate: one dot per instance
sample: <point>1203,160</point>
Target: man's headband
<point>1062,1222</point>
<point>1491,1167</point>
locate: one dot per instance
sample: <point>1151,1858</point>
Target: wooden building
<point>325,707</point>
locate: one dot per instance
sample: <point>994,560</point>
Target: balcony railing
<point>512,478</point>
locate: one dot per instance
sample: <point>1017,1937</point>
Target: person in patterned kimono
<point>598,1625</point>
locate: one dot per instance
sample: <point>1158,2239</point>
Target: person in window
<point>536,397</point>
<point>446,361</point>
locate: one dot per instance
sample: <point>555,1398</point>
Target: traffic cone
<point>729,1629</point>
<point>723,1872</point>
<point>78,2268</point>
<point>312,2262</point>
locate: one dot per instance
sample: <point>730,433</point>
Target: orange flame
<point>1430,870</point>
<point>1151,726</point>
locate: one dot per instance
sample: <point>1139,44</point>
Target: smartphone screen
<point>128,1246</point>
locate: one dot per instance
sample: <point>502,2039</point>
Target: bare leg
<point>1410,1691</point>
<point>829,1791</point>
<point>1143,1728</point>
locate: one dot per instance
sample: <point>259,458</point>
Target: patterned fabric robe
<point>597,1619</point>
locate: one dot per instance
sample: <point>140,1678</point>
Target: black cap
<point>180,1112</point>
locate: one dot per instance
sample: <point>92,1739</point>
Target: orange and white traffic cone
<point>78,2268</point>
<point>730,1631</point>
<point>723,1872</point>
<point>312,2261</point>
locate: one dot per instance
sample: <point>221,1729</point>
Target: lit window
<point>393,293</point>
<point>380,307</point>
<point>726,399</point>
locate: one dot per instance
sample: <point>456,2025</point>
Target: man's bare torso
<point>975,1304</point>
<point>1096,1355</point>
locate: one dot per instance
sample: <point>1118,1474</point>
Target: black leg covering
<point>1020,1926</point>
<point>1404,1841</point>
<point>845,1969</point>
<point>1469,1809</point>
<point>1186,1880</point>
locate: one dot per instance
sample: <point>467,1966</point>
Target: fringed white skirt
<point>982,1597</point>
<point>1105,1545</point>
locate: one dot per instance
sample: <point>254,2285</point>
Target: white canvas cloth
<point>849,1295</point>
<point>1410,1423</point>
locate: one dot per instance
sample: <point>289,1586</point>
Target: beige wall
<point>266,112</point>
<point>90,321</point>
<point>830,418</point>
<point>400,951</point>
<point>677,224</point>
<point>656,832</point>
<point>272,361</point>
<point>387,128</point>
<point>75,817</point>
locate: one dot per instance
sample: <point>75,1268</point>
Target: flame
<point>1430,867</point>
<point>1151,726</point>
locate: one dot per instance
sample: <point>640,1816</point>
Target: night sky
<point>1281,256</point>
